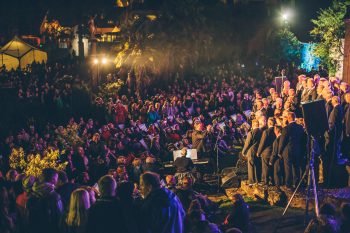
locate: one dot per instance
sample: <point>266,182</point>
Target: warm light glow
<point>285,16</point>
<point>95,61</point>
<point>104,60</point>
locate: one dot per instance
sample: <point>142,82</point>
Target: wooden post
<point>346,65</point>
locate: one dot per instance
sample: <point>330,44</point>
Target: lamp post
<point>285,16</point>
<point>97,62</point>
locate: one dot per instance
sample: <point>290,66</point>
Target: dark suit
<point>329,107</point>
<point>346,131</point>
<point>276,162</point>
<point>312,94</point>
<point>249,150</point>
<point>290,148</point>
<point>264,151</point>
<point>332,147</point>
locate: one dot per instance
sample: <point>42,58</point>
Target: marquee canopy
<point>18,53</point>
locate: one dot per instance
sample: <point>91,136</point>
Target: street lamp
<point>97,62</point>
<point>286,16</point>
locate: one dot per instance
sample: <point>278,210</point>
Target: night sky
<point>24,16</point>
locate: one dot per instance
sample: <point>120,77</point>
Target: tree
<point>283,47</point>
<point>175,38</point>
<point>328,31</point>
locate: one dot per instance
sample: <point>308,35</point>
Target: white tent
<point>18,53</point>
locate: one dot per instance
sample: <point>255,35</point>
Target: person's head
<point>259,104</point>
<point>62,178</point>
<point>277,130</point>
<point>81,151</point>
<point>290,117</point>
<point>328,209</point>
<point>170,180</point>
<point>184,151</point>
<point>301,78</point>
<point>150,160</point>
<point>265,102</point>
<point>287,105</point>
<point>187,182</point>
<point>255,124</point>
<point>323,224</point>
<point>272,90</point>
<point>49,175</point>
<point>262,121</point>
<point>347,98</point>
<point>78,208</point>
<point>279,103</point>
<point>96,137</point>
<point>335,101</point>
<point>149,181</point>
<point>328,96</point>
<point>344,87</point>
<point>198,126</point>
<point>270,122</point>
<point>136,162</point>
<point>11,175</point>
<point>286,85</point>
<point>291,92</point>
<point>107,186</point>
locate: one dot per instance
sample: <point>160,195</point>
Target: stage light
<point>104,60</point>
<point>96,61</point>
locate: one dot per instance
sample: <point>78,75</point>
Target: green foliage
<point>181,37</point>
<point>283,46</point>
<point>329,30</point>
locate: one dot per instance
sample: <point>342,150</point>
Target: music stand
<point>315,125</point>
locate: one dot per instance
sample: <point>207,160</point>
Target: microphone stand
<point>216,147</point>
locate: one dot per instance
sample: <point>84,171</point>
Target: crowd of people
<point>115,157</point>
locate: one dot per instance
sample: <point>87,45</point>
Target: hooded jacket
<point>44,208</point>
<point>162,212</point>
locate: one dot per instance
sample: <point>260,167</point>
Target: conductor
<point>198,137</point>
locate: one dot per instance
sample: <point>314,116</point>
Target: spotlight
<point>95,61</point>
<point>104,60</point>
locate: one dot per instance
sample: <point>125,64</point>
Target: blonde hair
<point>78,208</point>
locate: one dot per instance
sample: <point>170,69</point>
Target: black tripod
<point>311,183</point>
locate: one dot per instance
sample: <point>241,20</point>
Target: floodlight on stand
<point>104,60</point>
<point>96,61</point>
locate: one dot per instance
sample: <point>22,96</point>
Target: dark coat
<point>183,164</point>
<point>347,120</point>
<point>45,209</point>
<point>251,143</point>
<point>329,108</point>
<point>335,120</point>
<point>162,212</point>
<point>265,145</point>
<point>106,216</point>
<point>239,216</point>
<point>290,146</point>
<point>274,152</point>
